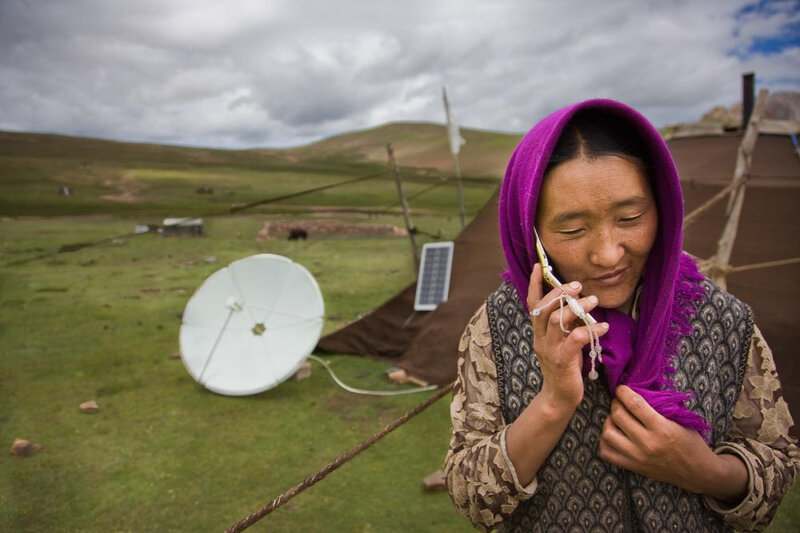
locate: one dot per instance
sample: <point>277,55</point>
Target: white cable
<point>368,392</point>
<point>595,350</point>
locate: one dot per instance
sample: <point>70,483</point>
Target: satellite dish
<point>250,325</point>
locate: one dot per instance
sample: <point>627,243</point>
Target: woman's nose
<point>606,250</point>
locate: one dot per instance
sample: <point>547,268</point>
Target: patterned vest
<point>577,490</point>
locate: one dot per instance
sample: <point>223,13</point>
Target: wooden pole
<point>455,145</point>
<point>691,217</point>
<point>767,264</point>
<point>406,216</point>
<point>460,190</point>
<point>721,260</point>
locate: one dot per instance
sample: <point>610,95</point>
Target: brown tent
<point>425,343</point>
<point>769,230</point>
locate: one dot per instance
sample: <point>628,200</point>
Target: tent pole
<point>456,141</point>
<point>406,216</point>
<point>460,189</point>
<point>721,260</point>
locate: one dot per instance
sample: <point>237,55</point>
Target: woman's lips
<point>610,279</point>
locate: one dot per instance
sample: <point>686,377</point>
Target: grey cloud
<point>250,73</point>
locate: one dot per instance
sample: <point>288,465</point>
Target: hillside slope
<point>138,179</point>
<point>420,145</point>
<point>415,145</point>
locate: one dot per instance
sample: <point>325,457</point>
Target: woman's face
<point>598,220</point>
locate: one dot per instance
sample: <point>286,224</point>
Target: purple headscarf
<point>637,354</point>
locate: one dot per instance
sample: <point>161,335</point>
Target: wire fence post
<point>406,216</point>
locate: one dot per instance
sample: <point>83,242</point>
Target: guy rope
<point>336,463</point>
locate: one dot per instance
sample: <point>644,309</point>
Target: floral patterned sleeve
<point>760,437</point>
<point>480,478</point>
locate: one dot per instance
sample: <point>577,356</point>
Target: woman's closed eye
<point>631,219</point>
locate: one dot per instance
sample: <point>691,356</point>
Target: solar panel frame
<point>433,279</point>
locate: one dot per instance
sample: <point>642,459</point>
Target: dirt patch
<point>282,229</point>
<point>129,190</point>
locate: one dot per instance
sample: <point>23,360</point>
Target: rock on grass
<point>434,482</point>
<point>24,448</point>
<point>90,407</point>
<point>304,372</point>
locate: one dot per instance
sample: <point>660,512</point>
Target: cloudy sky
<point>246,73</point>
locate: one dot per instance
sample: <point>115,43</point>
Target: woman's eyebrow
<point>568,216</point>
<point>634,201</point>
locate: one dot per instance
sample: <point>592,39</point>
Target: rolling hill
<point>416,145</point>
<point>420,145</point>
<point>160,180</point>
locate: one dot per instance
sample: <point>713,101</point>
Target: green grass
<point>100,323</point>
<point>163,453</point>
<point>29,187</point>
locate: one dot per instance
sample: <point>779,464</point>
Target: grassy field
<point>100,323</point>
<point>164,454</point>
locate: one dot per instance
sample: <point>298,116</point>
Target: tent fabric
<point>769,230</point>
<point>425,344</point>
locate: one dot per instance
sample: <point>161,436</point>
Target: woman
<point>685,429</point>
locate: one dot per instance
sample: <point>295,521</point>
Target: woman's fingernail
<point>604,325</point>
<point>575,285</point>
<point>592,299</point>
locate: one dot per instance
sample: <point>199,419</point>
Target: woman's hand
<point>534,434</point>
<point>638,438</point>
<point>559,354</point>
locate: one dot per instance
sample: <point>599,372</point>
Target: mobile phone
<point>550,278</point>
<point>595,350</point>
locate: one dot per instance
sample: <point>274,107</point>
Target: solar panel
<point>433,281</point>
